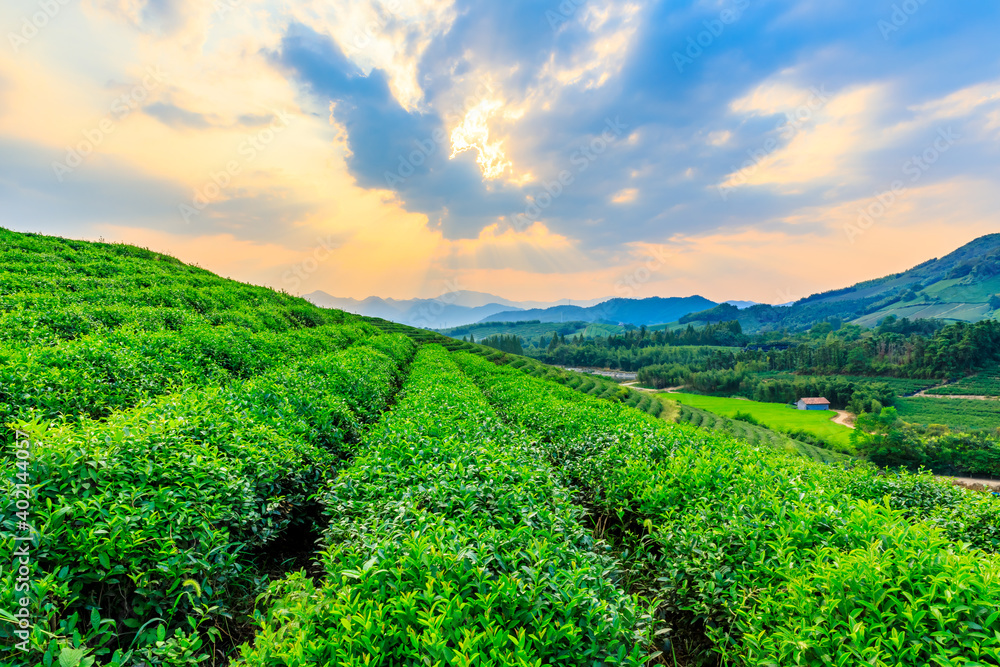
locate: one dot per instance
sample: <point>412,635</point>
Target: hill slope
<point>962,286</point>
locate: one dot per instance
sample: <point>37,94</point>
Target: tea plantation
<point>201,472</point>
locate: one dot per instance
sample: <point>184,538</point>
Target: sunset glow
<point>416,134</point>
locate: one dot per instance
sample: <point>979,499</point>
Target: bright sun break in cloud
<point>474,134</point>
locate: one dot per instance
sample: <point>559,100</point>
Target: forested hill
<point>650,311</point>
<point>962,286</point>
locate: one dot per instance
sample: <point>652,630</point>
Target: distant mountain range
<point>962,286</point>
<point>650,311</point>
<point>446,311</point>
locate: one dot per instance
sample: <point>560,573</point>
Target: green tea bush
<point>450,543</point>
<point>906,598</point>
<point>95,375</point>
<point>56,290</point>
<point>183,489</point>
<point>717,524</point>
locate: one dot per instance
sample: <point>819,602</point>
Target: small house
<point>814,404</point>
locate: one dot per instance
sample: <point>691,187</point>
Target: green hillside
<point>200,472</point>
<point>962,286</point>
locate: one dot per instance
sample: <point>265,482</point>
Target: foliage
<point>986,383</point>
<point>181,425</point>
<point>510,344</point>
<point>746,417</point>
<point>716,526</point>
<point>956,414</point>
<point>184,488</point>
<point>450,543</point>
<point>888,440</point>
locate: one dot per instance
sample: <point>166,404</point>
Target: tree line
<point>889,441</point>
<point>898,348</point>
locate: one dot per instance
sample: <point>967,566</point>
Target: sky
<point>745,149</point>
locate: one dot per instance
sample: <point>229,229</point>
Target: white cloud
<point>961,103</point>
<point>612,28</point>
<point>626,196</point>
<point>389,35</point>
<point>820,139</point>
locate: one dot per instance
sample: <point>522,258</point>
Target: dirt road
<point>924,394</point>
<point>960,396</point>
<point>635,385</point>
<point>844,418</point>
<point>975,484</point>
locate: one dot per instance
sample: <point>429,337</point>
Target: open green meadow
<point>749,433</point>
<point>201,473</point>
<point>778,417</point>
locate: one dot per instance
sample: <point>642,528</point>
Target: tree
<point>821,329</point>
<point>884,439</point>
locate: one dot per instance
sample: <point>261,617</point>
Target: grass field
<point>749,433</point>
<point>775,416</point>
<point>958,414</point>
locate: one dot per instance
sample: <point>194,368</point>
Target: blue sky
<point>744,149</point>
